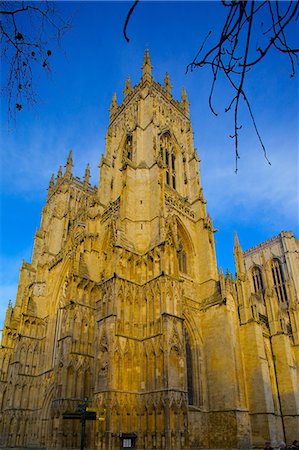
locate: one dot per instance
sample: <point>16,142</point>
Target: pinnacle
<point>113,105</point>
<point>51,183</point>
<point>147,67</point>
<point>167,85</point>
<point>146,57</point>
<point>114,99</point>
<point>128,82</point>
<point>52,180</point>
<point>59,173</point>
<point>185,100</point>
<point>237,243</point>
<point>128,87</point>
<point>69,165</point>
<point>70,157</point>
<point>87,175</point>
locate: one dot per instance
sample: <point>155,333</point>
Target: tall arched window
<point>168,155</point>
<point>278,281</point>
<point>257,280</point>
<point>189,369</point>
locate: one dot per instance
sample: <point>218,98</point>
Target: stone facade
<point>123,304</point>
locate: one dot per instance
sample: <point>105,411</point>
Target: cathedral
<point>123,305</point>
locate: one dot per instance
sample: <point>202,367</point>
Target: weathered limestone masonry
<point>122,303</point>
<point>273,267</point>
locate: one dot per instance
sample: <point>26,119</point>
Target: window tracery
<point>257,280</point>
<point>279,281</point>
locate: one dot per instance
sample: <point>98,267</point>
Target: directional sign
<point>71,415</point>
<point>88,415</point>
<point>82,415</point>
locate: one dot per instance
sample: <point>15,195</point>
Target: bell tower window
<point>173,161</point>
<point>278,281</point>
<point>168,155</point>
<point>166,158</point>
<point>167,178</point>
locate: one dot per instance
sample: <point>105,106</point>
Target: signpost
<point>82,415</point>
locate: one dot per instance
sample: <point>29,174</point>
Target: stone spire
<point>185,101</point>
<point>167,85</point>
<point>128,87</point>
<point>113,106</point>
<point>69,165</point>
<point>86,176</point>
<point>147,67</point>
<point>239,259</point>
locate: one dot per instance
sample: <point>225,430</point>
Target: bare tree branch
<point>233,54</point>
<point>128,18</point>
<point>28,32</point>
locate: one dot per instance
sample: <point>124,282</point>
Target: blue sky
<point>72,113</point>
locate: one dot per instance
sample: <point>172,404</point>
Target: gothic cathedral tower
<point>122,303</point>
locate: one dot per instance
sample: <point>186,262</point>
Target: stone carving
<point>181,206</point>
<point>39,289</point>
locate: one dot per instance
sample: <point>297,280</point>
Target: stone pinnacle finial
<point>51,184</point>
<point>128,87</point>
<point>69,165</point>
<point>147,67</point>
<point>86,176</point>
<point>236,240</point>
<point>222,282</point>
<point>167,85</point>
<point>59,174</point>
<point>228,273</point>
<point>185,101</point>
<point>239,259</point>
<point>113,106</point>
<point>9,313</point>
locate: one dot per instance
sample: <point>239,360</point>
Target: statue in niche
<point>103,364</point>
<point>65,286</point>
